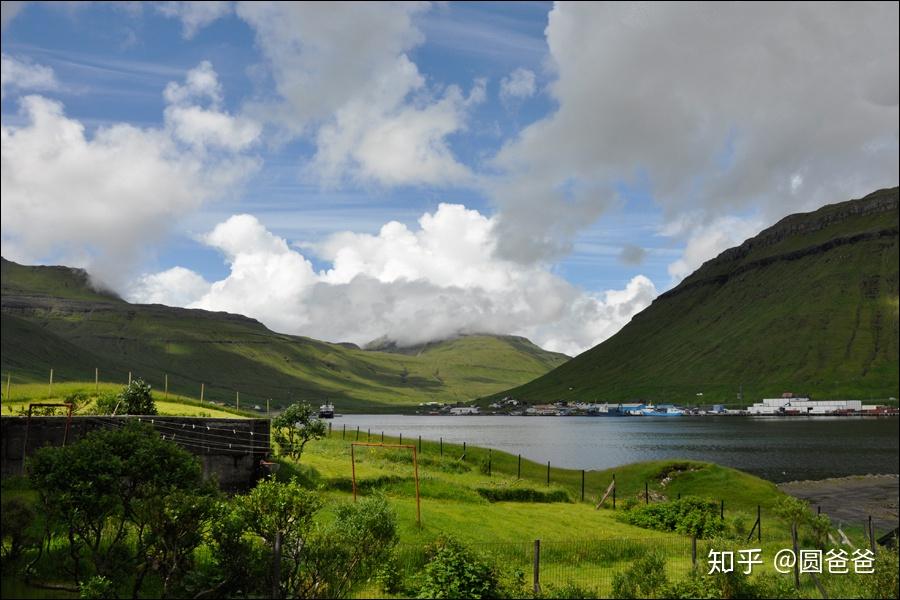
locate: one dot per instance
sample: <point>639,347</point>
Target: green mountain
<point>810,305</point>
<point>52,317</point>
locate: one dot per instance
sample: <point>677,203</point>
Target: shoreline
<point>852,499</point>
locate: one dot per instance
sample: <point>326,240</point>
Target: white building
<point>464,410</point>
<point>805,406</point>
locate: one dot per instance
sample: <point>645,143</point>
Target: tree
<point>136,399</point>
<point>296,426</point>
<point>113,495</point>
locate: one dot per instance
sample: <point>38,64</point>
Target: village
<point>787,405</point>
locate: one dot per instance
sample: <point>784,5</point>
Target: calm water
<point>778,449</point>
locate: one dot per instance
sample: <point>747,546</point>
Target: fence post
<point>758,524</point>
<point>357,433</point>
<point>796,553</point>
<point>442,447</point>
<point>344,431</point>
<point>614,491</point>
<point>420,443</point>
<point>646,493</point>
<point>463,457</point>
<point>548,472</point>
<point>382,437</point>
<point>537,566</point>
<point>329,430</point>
<point>582,485</point>
<point>401,439</point>
<point>96,382</point>
<point>490,460</point>
<point>722,509</point>
<point>166,396</point>
<point>369,434</point>
<point>276,567</point>
<point>694,551</point>
<point>519,470</point>
<point>50,387</point>
<point>871,531</point>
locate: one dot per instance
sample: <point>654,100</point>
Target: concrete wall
<point>229,449</point>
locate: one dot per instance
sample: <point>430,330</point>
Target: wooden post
<point>646,493</point>
<point>796,553</point>
<point>369,434</point>
<point>357,433</point>
<point>758,523</point>
<point>537,567</point>
<point>871,531</point>
<point>329,430</point>
<point>353,468</point>
<point>519,471</point>
<point>202,389</point>
<point>442,447</point>
<point>267,406</point>
<point>344,431</point>
<point>96,380</point>
<point>490,460</point>
<point>420,443</point>
<point>166,395</point>
<point>8,378</point>
<point>50,387</point>
<point>722,509</point>
<point>548,472</point>
<point>694,551</point>
<point>276,567</point>
<point>614,491</point>
<point>418,504</point>
<point>237,400</point>
<point>382,437</point>
<point>582,485</point>
<point>129,377</point>
<point>401,438</point>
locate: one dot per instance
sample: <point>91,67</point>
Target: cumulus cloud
<point>371,112</point>
<point>780,107</point>
<point>518,84</point>
<point>25,75</point>
<point>174,287</point>
<point>206,126</point>
<point>194,15</point>
<point>96,200</point>
<point>411,285</point>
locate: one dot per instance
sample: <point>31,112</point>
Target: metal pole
<point>418,504</point>
<point>537,567</point>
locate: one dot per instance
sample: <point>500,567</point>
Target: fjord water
<point>775,448</point>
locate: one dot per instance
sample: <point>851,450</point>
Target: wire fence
<point>547,566</point>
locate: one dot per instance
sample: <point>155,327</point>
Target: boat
<point>662,411</point>
<point>326,411</point>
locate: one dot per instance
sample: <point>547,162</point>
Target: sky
<point>416,171</point>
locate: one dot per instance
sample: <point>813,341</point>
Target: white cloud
<point>373,115</point>
<point>432,282</point>
<point>194,15</point>
<point>175,287</point>
<point>98,200</point>
<point>716,106</point>
<point>519,84</point>
<point>8,12</point>
<point>707,240</point>
<point>25,75</point>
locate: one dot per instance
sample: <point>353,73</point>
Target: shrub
<point>643,579</point>
<point>18,525</point>
<point>295,427</point>
<point>510,494</point>
<point>99,587</point>
<point>689,516</point>
<point>454,571</point>
<point>107,404</point>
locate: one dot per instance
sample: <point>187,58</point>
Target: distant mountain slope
<point>53,318</point>
<point>810,305</point>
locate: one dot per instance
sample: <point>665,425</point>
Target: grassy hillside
<point>53,319</point>
<point>809,305</point>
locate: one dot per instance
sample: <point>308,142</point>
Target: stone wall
<point>229,449</point>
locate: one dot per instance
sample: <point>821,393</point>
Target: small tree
<point>296,426</point>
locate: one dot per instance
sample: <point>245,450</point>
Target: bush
<point>730,585</point>
<point>453,571</point>
<point>644,579</point>
<point>18,525</point>
<point>509,494</point>
<point>136,399</point>
<point>107,404</point>
<point>99,587</point>
<point>688,516</point>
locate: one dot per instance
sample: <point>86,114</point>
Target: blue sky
<point>595,154</point>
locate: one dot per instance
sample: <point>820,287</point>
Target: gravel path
<point>850,500</point>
